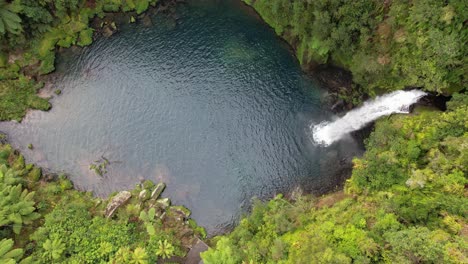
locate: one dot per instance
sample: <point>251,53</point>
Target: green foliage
<point>31,30</point>
<point>139,256</point>
<point>53,249</point>
<point>10,22</point>
<point>73,229</point>
<point>406,203</point>
<point>16,204</point>
<point>165,249</point>
<point>386,45</point>
<point>8,255</point>
<point>16,96</point>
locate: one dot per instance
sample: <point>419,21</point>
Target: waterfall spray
<point>326,132</point>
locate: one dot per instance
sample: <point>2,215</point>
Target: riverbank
<point>380,47</point>
<point>28,55</point>
<point>405,203</point>
<point>366,223</point>
<point>50,221</point>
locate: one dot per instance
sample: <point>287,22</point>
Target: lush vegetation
<point>387,45</point>
<point>44,220</point>
<point>406,202</point>
<point>30,33</point>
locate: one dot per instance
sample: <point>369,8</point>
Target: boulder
<point>144,195</point>
<point>158,190</point>
<point>117,201</point>
<point>163,203</point>
<point>180,213</point>
<point>296,193</point>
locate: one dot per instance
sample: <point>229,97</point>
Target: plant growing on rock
<point>100,166</point>
<point>148,219</point>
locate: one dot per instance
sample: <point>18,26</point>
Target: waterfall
<point>326,132</point>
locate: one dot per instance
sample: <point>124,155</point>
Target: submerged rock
<point>120,199</point>
<point>146,21</point>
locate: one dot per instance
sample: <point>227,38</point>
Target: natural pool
<point>212,103</point>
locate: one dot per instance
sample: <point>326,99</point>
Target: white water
<point>326,133</point>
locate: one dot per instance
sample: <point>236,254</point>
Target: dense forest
<point>31,32</point>
<point>387,45</point>
<point>44,220</point>
<point>404,203</point>
<point>406,200</point>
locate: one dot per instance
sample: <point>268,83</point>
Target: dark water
<point>212,103</point>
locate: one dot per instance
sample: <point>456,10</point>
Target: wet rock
<point>193,257</point>
<point>158,190</point>
<point>180,213</point>
<point>339,85</point>
<point>163,203</point>
<point>144,195</point>
<point>146,21</point>
<point>3,138</point>
<point>296,193</point>
<point>117,201</point>
<point>109,29</point>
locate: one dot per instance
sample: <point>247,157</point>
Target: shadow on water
<point>215,106</point>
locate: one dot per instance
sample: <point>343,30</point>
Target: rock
<point>158,190</point>
<point>144,195</point>
<point>107,32</point>
<point>181,213</point>
<point>3,138</point>
<point>120,199</point>
<point>296,193</point>
<point>109,29</point>
<point>163,203</point>
<point>193,257</point>
<point>13,57</point>
<point>146,21</point>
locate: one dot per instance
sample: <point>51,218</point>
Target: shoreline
<point>321,73</point>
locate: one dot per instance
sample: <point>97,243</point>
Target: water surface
<point>212,103</point>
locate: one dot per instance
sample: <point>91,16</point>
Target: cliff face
<point>386,45</point>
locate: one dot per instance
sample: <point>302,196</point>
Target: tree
<point>139,256</point>
<point>8,255</point>
<point>10,22</point>
<point>16,204</point>
<point>53,249</point>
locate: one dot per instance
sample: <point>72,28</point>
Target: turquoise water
<point>208,100</point>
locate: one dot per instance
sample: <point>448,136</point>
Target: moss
<point>86,37</point>
<point>35,174</point>
<point>16,96</point>
<point>148,185</point>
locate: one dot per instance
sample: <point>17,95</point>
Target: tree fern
<point>10,22</point>
<point>16,204</point>
<point>8,255</point>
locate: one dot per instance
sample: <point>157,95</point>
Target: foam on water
<point>325,133</point>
